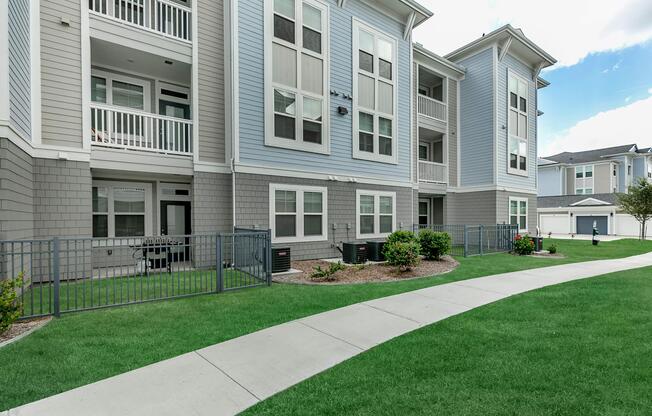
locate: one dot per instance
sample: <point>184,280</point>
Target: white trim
<point>299,212</point>
<point>482,188</point>
<point>194,107</point>
<point>504,48</point>
<point>86,75</point>
<point>110,185</point>
<point>35,75</point>
<point>235,82</point>
<point>494,109</point>
<point>458,134</point>
<point>109,77</point>
<point>519,201</point>
<point>356,153</point>
<point>409,25</point>
<point>211,167</point>
<point>327,176</point>
<point>594,201</point>
<point>517,171</point>
<point>376,214</point>
<point>586,181</point>
<point>298,143</point>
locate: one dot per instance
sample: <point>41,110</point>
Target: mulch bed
<point>20,327</point>
<point>364,273</point>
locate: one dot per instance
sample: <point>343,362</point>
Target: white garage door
<point>627,226</point>
<point>554,223</point>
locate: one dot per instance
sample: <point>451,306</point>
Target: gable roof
<point>590,155</point>
<point>565,201</point>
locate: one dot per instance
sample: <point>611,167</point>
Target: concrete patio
<point>226,378</point>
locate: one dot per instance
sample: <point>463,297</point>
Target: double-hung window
<point>298,213</point>
<point>375,214</point>
<point>374,94</point>
<point>517,124</point>
<point>518,213</point>
<point>584,180</point>
<point>296,75</point>
<point>121,209</point>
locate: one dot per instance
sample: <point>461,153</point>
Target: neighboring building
<point>577,190</point>
<point>318,119</point>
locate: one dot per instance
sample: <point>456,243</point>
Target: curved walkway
<point>227,378</point>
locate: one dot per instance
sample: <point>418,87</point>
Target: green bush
<point>434,244</point>
<point>552,248</point>
<point>403,255</point>
<point>401,236</point>
<point>523,245</point>
<point>10,306</point>
<point>327,274</point>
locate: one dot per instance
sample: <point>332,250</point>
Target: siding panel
<point>452,132</point>
<point>19,66</point>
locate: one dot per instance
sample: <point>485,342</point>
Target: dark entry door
<point>175,221</point>
<point>585,224</point>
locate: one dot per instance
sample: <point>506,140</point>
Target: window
<point>296,76</point>
<point>121,209</point>
<point>174,101</point>
<point>298,213</point>
<point>374,94</point>
<point>584,180</point>
<point>424,151</point>
<point>424,212</point>
<point>518,213</point>
<point>120,90</point>
<point>375,216</point>
<point>518,124</point>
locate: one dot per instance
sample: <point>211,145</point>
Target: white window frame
<point>376,195</point>
<point>297,143</point>
<point>518,201</point>
<point>511,170</point>
<point>300,190</point>
<point>110,185</point>
<point>428,146</point>
<point>357,153</point>
<point>428,214</point>
<point>109,77</point>
<point>588,183</point>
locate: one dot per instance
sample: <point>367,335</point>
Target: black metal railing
<point>474,240</point>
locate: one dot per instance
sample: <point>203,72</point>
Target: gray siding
<point>61,81</point>
<point>471,208</point>
<point>62,198</point>
<point>602,179</point>
<point>210,38</point>
<point>502,209</point>
<point>570,181</point>
<point>252,209</point>
<point>452,132</point>
<point>477,120</point>
<point>19,66</point>
<point>212,209</point>
<point>16,192</point>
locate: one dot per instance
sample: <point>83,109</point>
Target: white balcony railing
<point>161,16</point>
<point>433,172</point>
<point>137,130</point>
<point>433,108</point>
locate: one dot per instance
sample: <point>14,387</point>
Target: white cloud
<point>628,98</point>
<point>615,127</point>
<point>568,30</point>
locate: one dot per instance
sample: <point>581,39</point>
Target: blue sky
<point>601,88</point>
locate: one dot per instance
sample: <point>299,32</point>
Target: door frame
<point>188,213</point>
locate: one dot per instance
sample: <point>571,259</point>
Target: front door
<point>175,222</point>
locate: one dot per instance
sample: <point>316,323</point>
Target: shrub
<point>523,245</point>
<point>10,306</point>
<point>327,274</point>
<point>434,245</point>
<point>552,248</point>
<point>401,236</point>
<point>403,255</point>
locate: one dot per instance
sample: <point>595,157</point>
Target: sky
<point>601,88</point>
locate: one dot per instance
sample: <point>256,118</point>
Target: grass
<point>81,348</point>
<point>581,348</point>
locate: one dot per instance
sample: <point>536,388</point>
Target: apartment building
<point>318,119</point>
<point>577,190</point>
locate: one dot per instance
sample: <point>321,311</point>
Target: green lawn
<point>581,348</point>
<point>84,347</point>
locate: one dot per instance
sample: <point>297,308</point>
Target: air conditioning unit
<point>375,250</point>
<point>354,253</point>
<point>280,259</point>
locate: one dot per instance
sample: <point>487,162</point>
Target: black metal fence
<point>475,240</point>
<point>76,274</point>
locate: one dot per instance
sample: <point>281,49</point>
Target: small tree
<point>638,203</point>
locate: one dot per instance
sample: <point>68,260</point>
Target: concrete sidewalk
<point>227,378</point>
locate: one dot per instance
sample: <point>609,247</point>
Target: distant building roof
<point>589,155</point>
<point>565,201</point>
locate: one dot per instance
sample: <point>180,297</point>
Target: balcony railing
<point>433,172</point>
<point>137,130</point>
<point>161,16</point>
<point>433,108</point>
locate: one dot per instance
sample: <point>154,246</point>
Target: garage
<point>585,224</point>
<point>554,223</point>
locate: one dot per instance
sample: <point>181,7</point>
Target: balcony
<point>123,128</point>
<point>162,17</point>
<point>433,172</point>
<point>432,108</point>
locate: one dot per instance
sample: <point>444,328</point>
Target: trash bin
<point>538,243</point>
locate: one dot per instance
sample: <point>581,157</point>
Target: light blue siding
<point>640,169</point>
<point>622,173</point>
<point>252,148</point>
<point>550,181</point>
<point>476,120</point>
<point>504,178</point>
<point>19,66</point>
